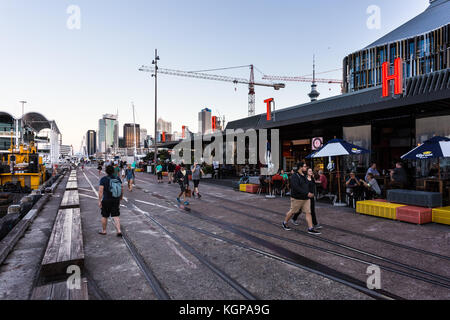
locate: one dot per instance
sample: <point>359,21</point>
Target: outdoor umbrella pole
<point>439,167</point>
<point>339,179</point>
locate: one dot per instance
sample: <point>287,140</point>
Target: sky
<point>75,75</point>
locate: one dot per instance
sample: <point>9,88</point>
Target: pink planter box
<point>416,215</point>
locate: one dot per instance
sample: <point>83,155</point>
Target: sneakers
<point>285,226</point>
<point>186,203</point>
<point>198,195</point>
<point>314,232</point>
<point>318,227</point>
<point>178,199</point>
<point>295,222</point>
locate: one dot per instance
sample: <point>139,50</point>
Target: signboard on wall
<point>316,143</point>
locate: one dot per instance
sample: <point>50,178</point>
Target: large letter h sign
<point>397,76</point>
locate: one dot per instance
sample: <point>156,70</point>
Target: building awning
<point>427,88</point>
<point>5,117</point>
<point>434,17</point>
<point>38,122</point>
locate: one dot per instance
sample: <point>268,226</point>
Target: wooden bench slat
<point>51,253</point>
<point>60,291</point>
<point>65,247</point>
<point>66,240</point>
<point>80,294</point>
<point>70,199</point>
<point>77,249</point>
<point>42,292</point>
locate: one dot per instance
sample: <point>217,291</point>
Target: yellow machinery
<point>25,166</point>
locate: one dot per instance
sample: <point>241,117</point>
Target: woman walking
<point>312,189</point>
<point>183,180</point>
<point>129,173</point>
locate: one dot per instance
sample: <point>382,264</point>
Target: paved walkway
<point>231,246</point>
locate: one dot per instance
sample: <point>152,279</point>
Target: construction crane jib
<point>201,75</point>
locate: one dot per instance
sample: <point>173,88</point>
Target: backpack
<point>115,187</point>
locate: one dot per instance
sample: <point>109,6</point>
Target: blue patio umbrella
<point>335,148</point>
<point>436,147</point>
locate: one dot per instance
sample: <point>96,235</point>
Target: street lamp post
<point>155,62</point>
<point>21,120</point>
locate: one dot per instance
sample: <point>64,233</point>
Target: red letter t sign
<point>269,111</point>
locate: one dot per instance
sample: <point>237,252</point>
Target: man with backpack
<point>110,193</point>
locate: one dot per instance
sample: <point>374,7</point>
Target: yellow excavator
<point>24,166</point>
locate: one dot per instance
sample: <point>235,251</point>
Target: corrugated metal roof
<point>434,17</point>
<point>421,89</point>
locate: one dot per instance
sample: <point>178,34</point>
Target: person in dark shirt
<point>170,169</point>
<point>182,176</point>
<point>300,198</point>
<point>352,183</point>
<point>312,189</point>
<point>110,206</point>
<point>434,171</point>
<point>399,178</point>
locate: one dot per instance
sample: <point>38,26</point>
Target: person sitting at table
<point>323,183</point>
<point>277,181</point>
<point>399,178</point>
<point>373,170</point>
<point>372,189</point>
<point>352,183</point>
<point>285,177</point>
<point>434,171</point>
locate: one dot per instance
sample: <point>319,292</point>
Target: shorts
<point>196,183</point>
<point>300,205</point>
<point>160,176</point>
<point>182,187</point>
<point>110,208</point>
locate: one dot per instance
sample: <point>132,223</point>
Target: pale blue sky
<point>75,76</point>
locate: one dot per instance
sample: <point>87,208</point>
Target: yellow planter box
<point>378,209</point>
<point>441,215</point>
<point>243,187</point>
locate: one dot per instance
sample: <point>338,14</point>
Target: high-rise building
<point>108,133</point>
<point>91,142</point>
<point>164,126</point>
<point>204,121</point>
<point>143,137</point>
<point>129,134</point>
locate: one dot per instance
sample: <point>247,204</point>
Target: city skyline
<point>51,66</point>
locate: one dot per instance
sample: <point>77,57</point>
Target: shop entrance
<point>391,138</point>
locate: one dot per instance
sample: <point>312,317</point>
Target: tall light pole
<point>21,120</point>
<point>155,62</point>
<point>135,134</point>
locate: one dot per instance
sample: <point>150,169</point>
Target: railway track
<point>285,255</point>
<point>439,280</point>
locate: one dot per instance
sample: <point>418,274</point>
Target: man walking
<point>170,169</point>
<point>159,170</point>
<point>110,193</point>
<point>196,174</point>
<point>183,180</point>
<point>300,198</point>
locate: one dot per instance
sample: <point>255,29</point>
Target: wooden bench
<point>60,291</point>
<point>70,199</point>
<point>65,247</point>
<point>72,185</point>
